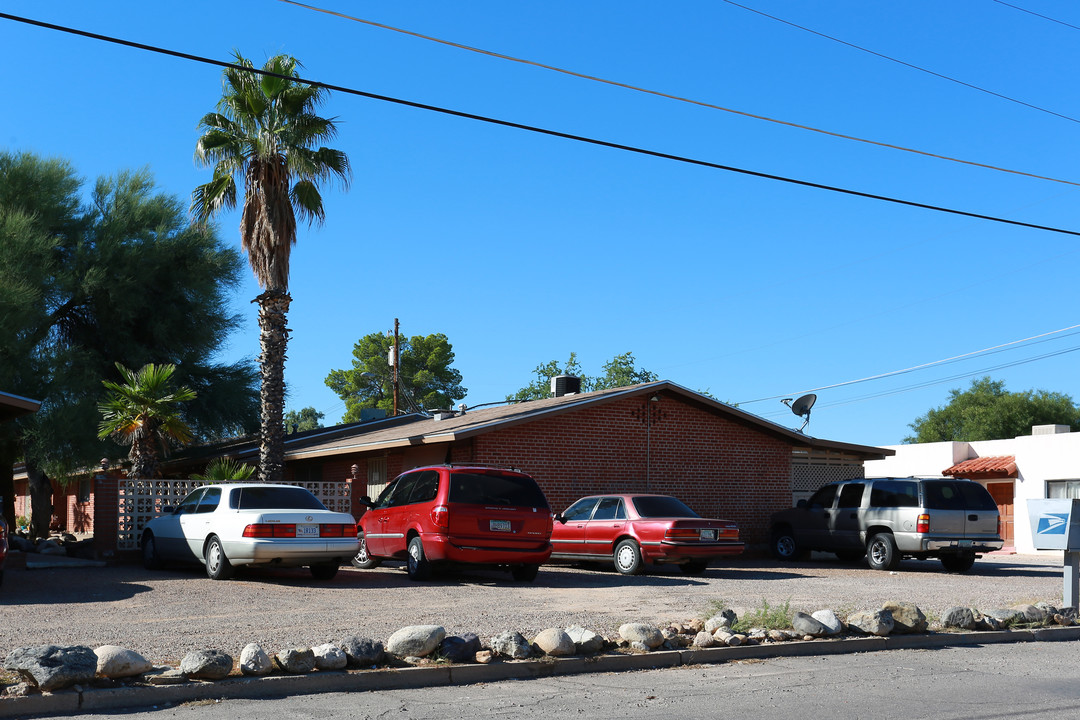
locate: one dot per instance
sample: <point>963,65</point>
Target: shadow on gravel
<point>57,587</point>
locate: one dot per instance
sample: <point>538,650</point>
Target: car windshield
<point>495,489</point>
<point>273,498</point>
<point>660,506</point>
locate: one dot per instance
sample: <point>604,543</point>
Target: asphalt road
<point>995,682</point>
<point>165,614</point>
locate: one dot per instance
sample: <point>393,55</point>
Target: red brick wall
<point>718,467</point>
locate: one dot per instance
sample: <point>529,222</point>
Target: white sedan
<point>223,526</point>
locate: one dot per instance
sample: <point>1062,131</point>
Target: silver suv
<point>887,519</point>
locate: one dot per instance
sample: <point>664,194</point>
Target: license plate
<point>307,531</point>
<point>967,543</point>
<point>708,535</point>
<point>499,525</point>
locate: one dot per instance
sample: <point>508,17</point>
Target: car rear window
<point>894,493</point>
<point>952,495</point>
<point>495,489</point>
<point>652,507</point>
<point>274,498</point>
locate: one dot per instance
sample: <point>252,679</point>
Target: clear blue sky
<point>522,248</point>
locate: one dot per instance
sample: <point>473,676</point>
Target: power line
<point>542,131</point>
<point>1030,12</point>
<point>985,351</point>
<point>669,96</point>
<point>902,62</point>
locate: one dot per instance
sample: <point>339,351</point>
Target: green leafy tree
<point>224,470</point>
<point>304,419</point>
<point>620,371</point>
<point>986,411</point>
<point>144,412</point>
<point>124,278</point>
<point>427,382</point>
<point>266,131</point>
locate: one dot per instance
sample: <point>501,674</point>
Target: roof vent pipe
<point>565,385</point>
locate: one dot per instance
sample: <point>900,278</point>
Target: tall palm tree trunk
<point>273,337</point>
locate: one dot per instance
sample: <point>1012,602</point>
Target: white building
<point>1045,464</point>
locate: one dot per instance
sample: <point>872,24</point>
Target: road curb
<point>70,702</point>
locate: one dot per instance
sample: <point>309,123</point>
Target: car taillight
<point>682,534</point>
<point>266,530</point>
<point>336,530</point>
<point>922,525</point>
<point>440,516</point>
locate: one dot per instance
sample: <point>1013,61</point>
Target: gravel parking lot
<point>165,614</point>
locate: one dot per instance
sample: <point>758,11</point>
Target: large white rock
<point>254,660</point>
<point>586,641</point>
<point>416,640</point>
<point>329,657</point>
<point>554,642</point>
<point>647,635</point>
<point>117,662</point>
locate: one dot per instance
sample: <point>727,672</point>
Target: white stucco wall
<point>1039,458</point>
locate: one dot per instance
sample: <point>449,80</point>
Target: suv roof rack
<point>481,465</point>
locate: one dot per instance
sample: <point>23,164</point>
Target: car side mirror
<point>168,510</point>
<point>801,504</point>
<point>366,501</point>
<point>557,517</point>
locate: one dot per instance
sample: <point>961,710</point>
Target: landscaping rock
<point>254,661</point>
<point>907,617</point>
<point>118,662</point>
<point>639,647</point>
<point>296,660</point>
<point>807,625</point>
<point>329,657</point>
<point>648,635</point>
<point>1030,613</point>
<point>586,642</point>
<point>704,640</point>
<point>484,657</point>
<point>165,675</point>
<point>695,626</point>
<point>52,667</point>
<point>21,689</point>
<point>554,642</point>
<point>206,664</point>
<point>829,619</point>
<point>512,644</point>
<point>460,649</point>
<point>362,652</point>
<point>871,622</point>
<point>725,618</point>
<point>959,617</point>
<point>418,640</point>
<point>1004,615</point>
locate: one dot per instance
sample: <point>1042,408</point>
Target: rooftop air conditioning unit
<point>565,385</point>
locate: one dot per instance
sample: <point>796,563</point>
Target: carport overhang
<point>16,406</point>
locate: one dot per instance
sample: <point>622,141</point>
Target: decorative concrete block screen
<point>140,501</point>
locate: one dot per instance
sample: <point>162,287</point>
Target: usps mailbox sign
<point>1055,524</point>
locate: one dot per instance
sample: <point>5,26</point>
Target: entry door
<point>1002,492</point>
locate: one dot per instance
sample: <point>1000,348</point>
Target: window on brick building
<point>84,490</point>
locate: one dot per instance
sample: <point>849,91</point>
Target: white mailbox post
<point>1055,525</point>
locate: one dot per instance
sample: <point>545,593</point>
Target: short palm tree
<point>144,412</point>
<point>266,131</point>
<point>224,470</point>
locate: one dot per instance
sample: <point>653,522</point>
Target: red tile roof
<point>1002,466</point>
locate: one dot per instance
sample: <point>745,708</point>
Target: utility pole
<point>397,366</point>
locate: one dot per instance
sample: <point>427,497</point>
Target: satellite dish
<point>801,407</point>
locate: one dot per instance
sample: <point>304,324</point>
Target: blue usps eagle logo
<point>1053,524</point>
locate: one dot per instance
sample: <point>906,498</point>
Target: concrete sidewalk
<point>67,702</point>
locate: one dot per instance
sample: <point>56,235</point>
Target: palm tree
<point>224,470</point>
<point>144,412</point>
<point>266,131</point>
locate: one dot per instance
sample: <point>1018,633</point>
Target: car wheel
<point>363,558</point>
<point>150,559</point>
<point>324,571</point>
<point>416,563</point>
<point>958,562</point>
<point>784,546</point>
<point>694,567</point>
<point>850,556</point>
<point>525,573</point>
<point>218,566</point>
<point>881,552</point>
<point>628,557</point>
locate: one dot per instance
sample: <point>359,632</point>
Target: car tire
<point>627,558</point>
<point>324,571</point>
<point>881,552</point>
<point>694,567</point>
<point>363,559</point>
<point>850,556</point>
<point>416,562</point>
<point>150,558</point>
<point>525,573</point>
<point>958,562</point>
<point>784,546</point>
<point>218,566</point>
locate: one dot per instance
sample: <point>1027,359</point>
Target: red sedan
<point>633,530</point>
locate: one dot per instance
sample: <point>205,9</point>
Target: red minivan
<point>458,514</point>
